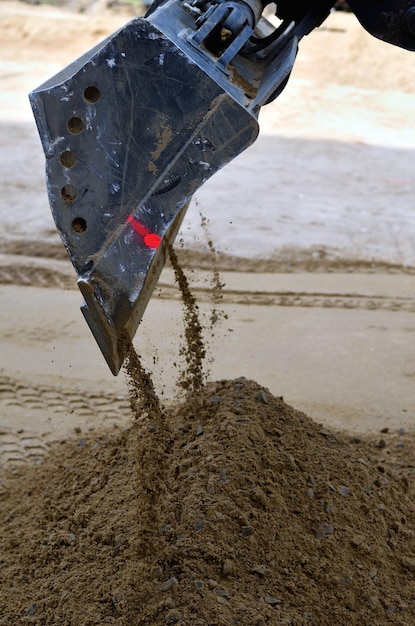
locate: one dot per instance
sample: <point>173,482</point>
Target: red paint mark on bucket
<point>151,240</point>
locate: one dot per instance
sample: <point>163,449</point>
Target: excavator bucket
<point>130,131</point>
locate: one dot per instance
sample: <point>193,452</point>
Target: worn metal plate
<point>130,131</point>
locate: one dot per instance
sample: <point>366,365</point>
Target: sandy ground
<point>318,213</point>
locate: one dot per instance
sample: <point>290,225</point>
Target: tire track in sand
<point>20,446</point>
<point>56,276</point>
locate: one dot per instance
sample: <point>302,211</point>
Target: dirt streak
<point>192,378</point>
<point>149,461</point>
<point>142,394</point>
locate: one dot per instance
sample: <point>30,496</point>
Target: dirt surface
<point>244,512</point>
<point>160,497</point>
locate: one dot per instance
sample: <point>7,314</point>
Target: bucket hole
<point>76,125</point>
<point>68,159</point>
<point>92,94</point>
<point>79,225</point>
<point>69,193</point>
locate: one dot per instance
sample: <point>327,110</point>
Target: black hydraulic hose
<point>259,43</point>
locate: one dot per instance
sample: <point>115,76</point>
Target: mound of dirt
<point>233,509</point>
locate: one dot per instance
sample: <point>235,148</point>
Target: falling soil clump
<point>243,512</point>
<point>141,391</point>
<point>193,350</point>
<point>150,460</point>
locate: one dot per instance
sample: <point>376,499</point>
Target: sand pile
<point>233,509</point>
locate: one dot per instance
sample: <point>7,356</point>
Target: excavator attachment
<point>136,125</point>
